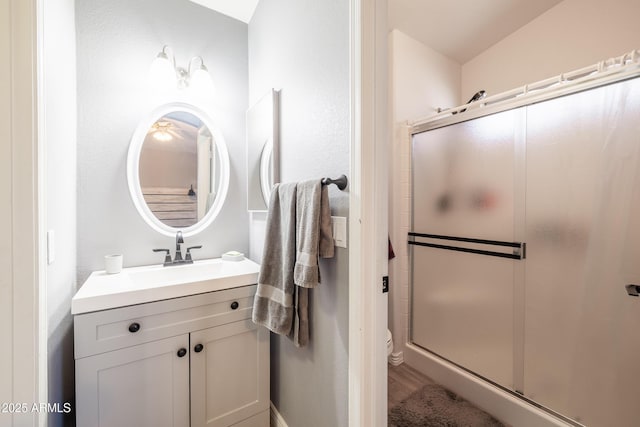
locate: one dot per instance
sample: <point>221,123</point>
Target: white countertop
<point>138,285</point>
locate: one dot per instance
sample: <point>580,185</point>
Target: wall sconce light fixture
<point>165,73</point>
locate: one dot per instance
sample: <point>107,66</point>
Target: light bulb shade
<point>200,80</point>
<point>162,74</point>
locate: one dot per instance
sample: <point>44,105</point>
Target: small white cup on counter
<point>113,264</point>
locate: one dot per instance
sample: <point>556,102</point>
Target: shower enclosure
<point>525,235</point>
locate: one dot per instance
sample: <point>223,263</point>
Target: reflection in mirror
<point>177,169</point>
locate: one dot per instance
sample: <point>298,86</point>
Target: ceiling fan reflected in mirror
<point>165,130</point>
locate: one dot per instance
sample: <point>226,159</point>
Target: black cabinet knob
<point>134,327</point>
<point>198,348</point>
<point>182,352</point>
<point>234,305</point>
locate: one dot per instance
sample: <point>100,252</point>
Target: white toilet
<point>389,343</point>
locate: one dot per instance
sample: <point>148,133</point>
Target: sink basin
<point>215,269</point>
<point>138,285</point>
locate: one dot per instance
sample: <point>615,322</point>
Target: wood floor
<point>404,380</point>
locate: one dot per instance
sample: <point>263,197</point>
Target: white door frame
<point>23,300</point>
<point>368,212</point>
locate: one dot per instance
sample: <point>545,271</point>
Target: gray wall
<point>117,41</point>
<point>58,95</point>
<point>302,48</point>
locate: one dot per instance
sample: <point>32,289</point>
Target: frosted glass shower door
<point>463,193</point>
<point>582,330</point>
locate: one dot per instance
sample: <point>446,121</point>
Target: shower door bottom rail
<point>518,248</point>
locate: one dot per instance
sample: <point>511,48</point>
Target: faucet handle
<point>167,257</point>
<point>188,255</point>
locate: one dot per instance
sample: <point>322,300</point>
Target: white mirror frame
<point>133,177</point>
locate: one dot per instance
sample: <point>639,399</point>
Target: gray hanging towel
<point>314,238</point>
<point>274,302</point>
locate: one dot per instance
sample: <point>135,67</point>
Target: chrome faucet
<point>177,259</point>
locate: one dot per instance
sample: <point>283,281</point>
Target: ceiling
<point>461,29</point>
<point>242,10</point>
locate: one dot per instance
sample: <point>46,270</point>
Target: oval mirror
<point>178,169</point>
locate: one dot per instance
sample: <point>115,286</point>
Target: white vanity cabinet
<point>227,376</point>
<point>190,361</point>
<point>142,385</point>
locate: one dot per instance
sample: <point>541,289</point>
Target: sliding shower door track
<point>514,393</point>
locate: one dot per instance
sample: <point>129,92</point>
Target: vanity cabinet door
<point>229,374</point>
<point>138,386</point>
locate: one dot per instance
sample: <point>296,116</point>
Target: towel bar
<point>341,181</point>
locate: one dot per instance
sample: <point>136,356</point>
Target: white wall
<point>59,123</point>
<point>117,42</point>
<point>421,80</point>
<point>172,168</point>
<point>571,35</point>
<point>302,48</point>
